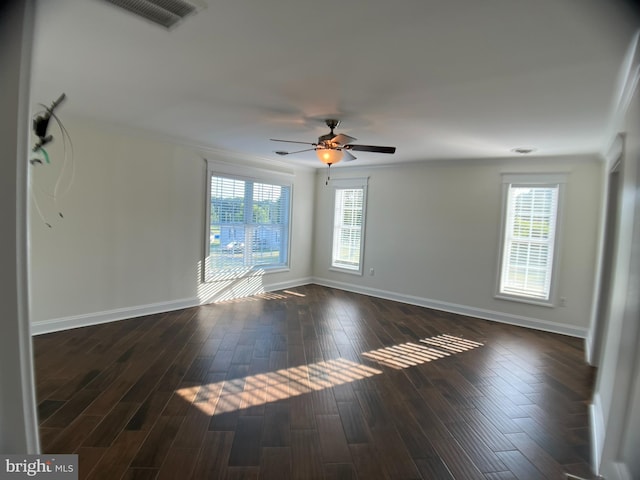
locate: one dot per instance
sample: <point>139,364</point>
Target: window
<point>529,237</point>
<point>348,224</point>
<point>248,225</point>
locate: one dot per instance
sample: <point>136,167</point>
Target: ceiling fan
<point>330,148</point>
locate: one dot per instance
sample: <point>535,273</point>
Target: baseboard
<point>76,321</point>
<point>596,423</point>
<point>65,323</point>
<point>609,470</point>
<point>500,317</point>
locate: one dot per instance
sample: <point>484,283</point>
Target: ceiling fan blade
<point>349,156</point>
<point>371,148</point>
<point>282,152</point>
<point>292,141</point>
<point>342,139</point>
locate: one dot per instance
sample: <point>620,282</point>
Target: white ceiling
<point>438,79</point>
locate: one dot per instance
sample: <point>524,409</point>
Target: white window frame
<point>218,168</point>
<point>349,184</point>
<point>538,180</point>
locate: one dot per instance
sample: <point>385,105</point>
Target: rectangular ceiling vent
<point>166,13</point>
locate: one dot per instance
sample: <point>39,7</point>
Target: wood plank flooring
<point>311,383</point>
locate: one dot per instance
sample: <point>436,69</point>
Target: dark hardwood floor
<point>314,382</point>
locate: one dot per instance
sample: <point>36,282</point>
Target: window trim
<point>343,184</point>
<point>237,172</point>
<point>560,180</point>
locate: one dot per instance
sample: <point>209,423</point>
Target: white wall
<point>131,239</point>
<point>18,421</point>
<point>615,413</point>
<point>631,436</point>
<point>433,230</point>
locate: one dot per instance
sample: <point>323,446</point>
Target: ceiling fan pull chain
<point>328,174</point>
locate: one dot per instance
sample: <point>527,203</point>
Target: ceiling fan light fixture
<point>329,155</point>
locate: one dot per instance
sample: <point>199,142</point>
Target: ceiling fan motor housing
<point>325,140</point>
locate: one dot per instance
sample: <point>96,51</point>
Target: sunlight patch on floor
<point>283,295</point>
<point>410,354</point>
<point>256,390</point>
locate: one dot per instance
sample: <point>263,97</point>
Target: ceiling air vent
<point>162,12</point>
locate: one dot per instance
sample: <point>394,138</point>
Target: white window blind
<point>349,209</point>
<point>529,241</point>
<point>248,225</point>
